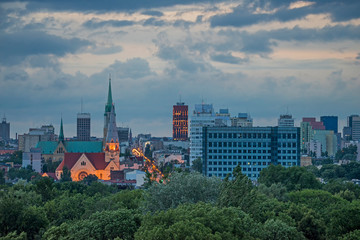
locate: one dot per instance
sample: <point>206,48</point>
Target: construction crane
<point>151,167</point>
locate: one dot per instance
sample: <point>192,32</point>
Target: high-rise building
<point>202,116</point>
<point>124,133</point>
<point>5,130</point>
<point>330,122</point>
<point>253,148</point>
<point>242,120</point>
<point>180,122</point>
<point>354,124</point>
<point>35,135</point>
<point>83,126</point>
<point>286,120</point>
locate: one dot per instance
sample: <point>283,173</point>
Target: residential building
<point>35,135</point>
<point>330,122</point>
<point>83,126</point>
<point>5,130</point>
<point>33,159</point>
<point>180,122</point>
<point>286,120</point>
<point>315,148</point>
<point>253,148</point>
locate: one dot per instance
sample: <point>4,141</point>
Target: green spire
<point>61,135</point>
<point>109,101</point>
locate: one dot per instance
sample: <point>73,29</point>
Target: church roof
<point>48,147</point>
<point>112,133</point>
<point>96,159</point>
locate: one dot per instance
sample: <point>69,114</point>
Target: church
<point>82,161</point>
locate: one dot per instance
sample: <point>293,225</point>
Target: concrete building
<point>124,133</point>
<point>354,123</point>
<point>286,120</point>
<point>242,120</point>
<point>5,130</point>
<point>33,159</point>
<point>330,122</point>
<point>35,135</point>
<point>202,116</point>
<point>83,126</point>
<point>253,148</point>
<point>315,148</point>
<point>328,141</point>
<point>305,161</point>
<point>306,133</point>
<point>180,122</point>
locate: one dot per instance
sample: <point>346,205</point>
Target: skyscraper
<point>83,126</point>
<point>330,122</point>
<point>5,130</point>
<point>180,122</point>
<point>354,124</point>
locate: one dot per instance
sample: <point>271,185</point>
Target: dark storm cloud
<point>19,75</point>
<point>152,13</point>
<point>14,47</point>
<point>96,23</point>
<point>243,15</point>
<point>105,5</point>
<point>228,58</point>
<point>154,22</point>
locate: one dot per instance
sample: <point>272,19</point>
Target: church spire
<point>109,101</point>
<point>112,133</point>
<point>61,135</point>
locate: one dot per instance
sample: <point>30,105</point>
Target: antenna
<point>81,105</point>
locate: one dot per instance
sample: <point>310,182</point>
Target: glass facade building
<point>253,148</point>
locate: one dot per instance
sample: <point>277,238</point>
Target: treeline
<point>286,204</point>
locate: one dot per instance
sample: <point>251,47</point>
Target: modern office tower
<point>354,124</point>
<point>123,133</point>
<point>242,120</point>
<point>253,148</point>
<point>306,133</point>
<point>5,130</point>
<point>83,126</point>
<point>330,122</point>
<point>328,141</point>
<point>347,133</point>
<point>286,120</point>
<point>202,116</point>
<point>180,122</point>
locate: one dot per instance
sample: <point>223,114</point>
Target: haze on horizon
<point>261,57</point>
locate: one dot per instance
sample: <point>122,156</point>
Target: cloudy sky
<point>261,57</point>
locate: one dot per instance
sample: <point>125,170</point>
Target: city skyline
<point>260,58</point>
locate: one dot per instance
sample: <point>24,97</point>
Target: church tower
<point>61,134</point>
<point>112,148</point>
<point>108,108</point>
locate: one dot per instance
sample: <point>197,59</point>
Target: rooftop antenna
<point>180,98</point>
<point>81,105</point>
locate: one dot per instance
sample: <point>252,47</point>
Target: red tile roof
<point>96,159</point>
<point>50,175</point>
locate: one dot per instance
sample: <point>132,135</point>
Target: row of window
<point>251,144</point>
<point>248,151</point>
<point>252,135</point>
<point>250,157</point>
<point>250,175</point>
<point>211,163</point>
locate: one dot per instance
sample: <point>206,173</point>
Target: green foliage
<point>197,165</point>
<point>181,188</point>
<point>346,171</point>
<point>348,153</point>
<point>104,225</point>
<point>276,229</point>
<point>50,166</point>
<point>293,178</point>
<point>2,177</point>
<point>16,157</point>
<point>238,192</point>
<point>22,173</point>
<point>44,187</point>
<point>354,235</point>
<point>15,236</point>
<point>66,175</point>
<point>197,221</point>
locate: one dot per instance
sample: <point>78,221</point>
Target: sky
<point>262,57</point>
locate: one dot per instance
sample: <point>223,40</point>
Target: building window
<point>83,163</point>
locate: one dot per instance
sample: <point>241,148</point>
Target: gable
<point>83,163</point>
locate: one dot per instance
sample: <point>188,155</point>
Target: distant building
<point>305,161</point>
<point>5,130</point>
<point>315,148</point>
<point>83,126</point>
<point>242,120</point>
<point>354,124</point>
<point>330,122</point>
<point>286,120</point>
<point>124,133</point>
<point>180,122</point>
<point>33,159</point>
<point>306,133</point>
<point>253,148</point>
<point>347,133</point>
<point>35,135</point>
<point>203,115</point>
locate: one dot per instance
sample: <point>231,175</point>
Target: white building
<point>315,147</point>
<point>286,120</point>
<point>242,120</point>
<point>32,158</point>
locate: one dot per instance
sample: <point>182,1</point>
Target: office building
<point>253,148</point>
<point>4,130</point>
<point>35,135</point>
<point>123,133</point>
<point>242,120</point>
<point>354,124</point>
<point>83,126</point>
<point>330,122</point>
<point>202,116</point>
<point>286,120</point>
<point>180,122</point>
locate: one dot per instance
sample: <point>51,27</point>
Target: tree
<point>276,229</point>
<point>238,192</point>
<point>181,188</point>
<point>197,165</point>
<point>66,175</point>
<point>198,221</point>
<point>89,179</point>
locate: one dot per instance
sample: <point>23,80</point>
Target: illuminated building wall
<point>180,122</point>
